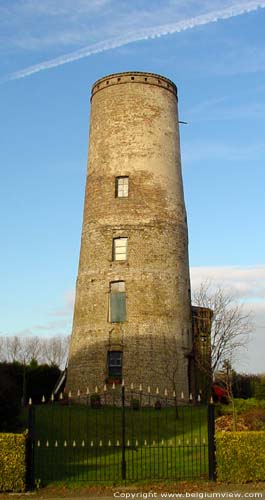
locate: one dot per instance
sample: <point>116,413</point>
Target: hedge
<point>12,462</point>
<point>240,456</point>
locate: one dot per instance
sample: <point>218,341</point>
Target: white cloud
<point>142,30</point>
<point>246,282</point>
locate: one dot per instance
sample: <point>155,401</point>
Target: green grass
<point>78,443</point>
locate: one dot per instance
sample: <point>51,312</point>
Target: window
<point>117,302</point>
<point>115,364</point>
<point>119,249</point>
<point>122,187</point>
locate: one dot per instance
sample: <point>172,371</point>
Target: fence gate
<point>128,435</point>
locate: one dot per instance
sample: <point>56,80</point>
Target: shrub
<point>240,456</point>
<point>10,397</point>
<point>95,401</point>
<point>158,405</point>
<point>255,419</point>
<point>241,405</point>
<point>135,404</point>
<point>12,462</point>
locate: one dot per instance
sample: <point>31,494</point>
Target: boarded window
<point>122,187</point>
<point>117,304</point>
<point>115,364</point>
<point>119,249</point>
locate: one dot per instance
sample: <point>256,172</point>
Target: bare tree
<point>2,349</point>
<point>13,349</point>
<point>52,350</point>
<point>31,349</point>
<point>231,323</point>
<point>55,350</point>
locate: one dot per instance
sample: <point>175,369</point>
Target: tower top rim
<point>134,77</point>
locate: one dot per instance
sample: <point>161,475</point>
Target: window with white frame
<point>119,248</point>
<point>122,187</point>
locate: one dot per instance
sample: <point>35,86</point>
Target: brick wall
<point>133,132</point>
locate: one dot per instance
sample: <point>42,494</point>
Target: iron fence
<point>123,436</point>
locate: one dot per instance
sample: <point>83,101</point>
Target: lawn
<point>79,443</point>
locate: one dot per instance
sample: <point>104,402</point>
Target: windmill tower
<point>132,317</point>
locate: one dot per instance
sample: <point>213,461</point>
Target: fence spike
<point>157,390</point>
<point>211,400</point>
<point>105,388</point>
<point>149,389</point>
<point>190,397</point>
<point>38,443</point>
<point>203,441</point>
<point>128,442</point>
<point>61,395</point>
<point>52,397</point>
<point>87,391</point>
<point>30,401</point>
<point>170,442</point>
<point>136,442</point>
<point>182,395</point>
<point>179,443</point>
<point>74,443</point>
<point>162,442</point>
<point>69,395</point>
<point>47,444</point>
<point>165,392</point>
<point>123,383</point>
<point>154,443</point>
<point>140,387</point>
<point>188,443</point>
<point>78,393</point>
<point>100,443</point>
<point>145,442</point>
<point>43,399</point>
<point>196,441</point>
<point>199,398</point>
<point>65,444</point>
<point>109,443</point>
<point>118,442</point>
<point>174,394</point>
<point>131,386</point>
<point>91,444</point>
<point>96,389</point>
<point>113,385</point>
<point>83,443</point>
<point>56,444</point>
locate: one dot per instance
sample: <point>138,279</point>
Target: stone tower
<point>132,317</point>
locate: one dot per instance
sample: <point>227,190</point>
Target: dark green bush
<point>95,401</point>
<point>10,397</point>
<point>41,381</point>
<point>12,462</point>
<point>135,404</point>
<point>240,456</point>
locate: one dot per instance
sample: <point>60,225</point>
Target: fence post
<point>30,473</point>
<point>211,443</point>
<point>123,463</point>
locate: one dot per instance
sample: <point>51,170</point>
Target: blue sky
<point>51,53</point>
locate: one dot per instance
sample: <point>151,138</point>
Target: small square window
<point>119,249</point>
<point>122,187</point>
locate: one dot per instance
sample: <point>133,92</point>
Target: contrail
<point>143,34</point>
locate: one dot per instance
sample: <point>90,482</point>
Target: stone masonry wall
<point>134,133</point>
